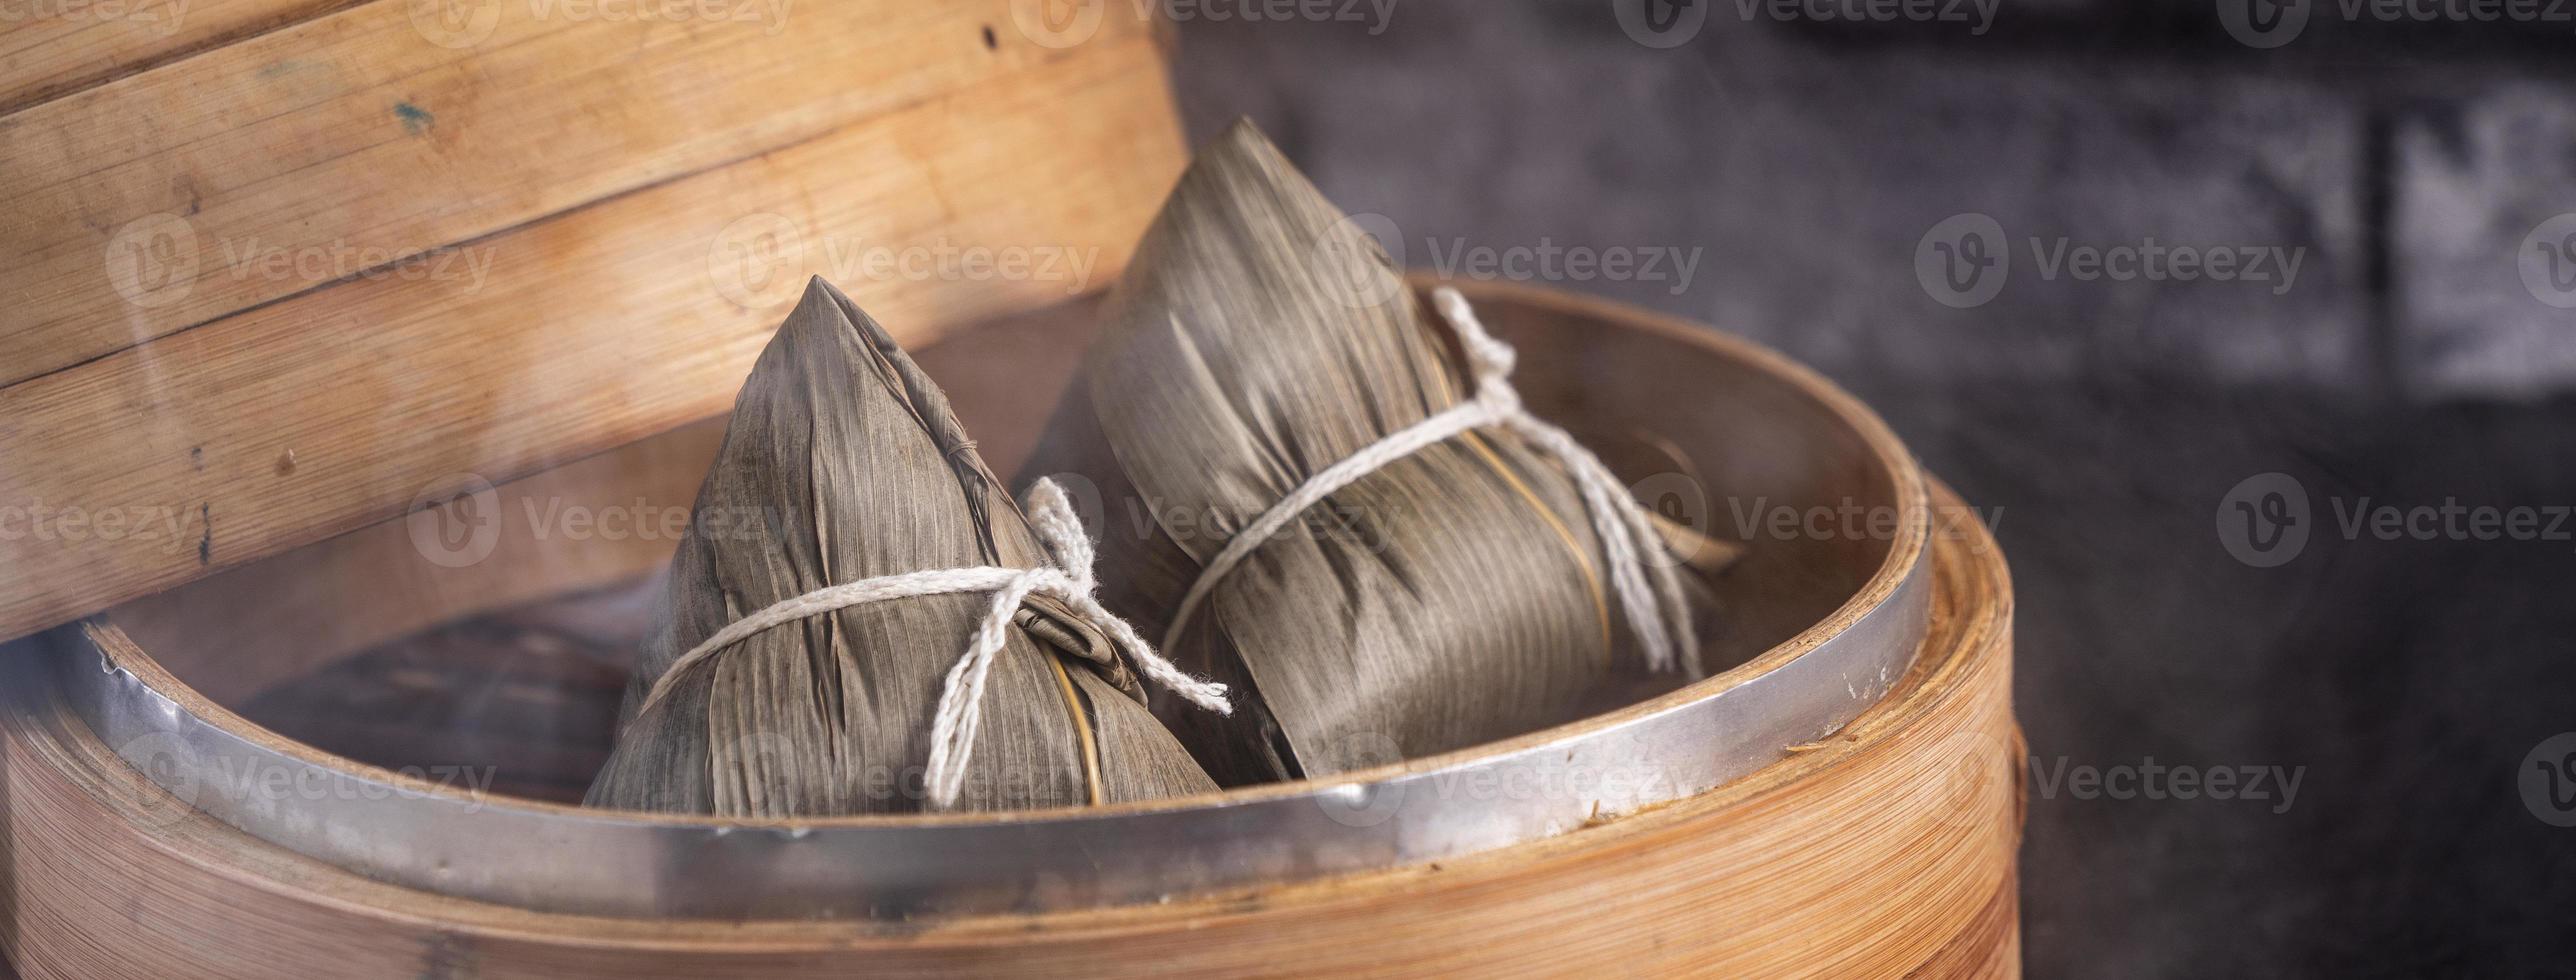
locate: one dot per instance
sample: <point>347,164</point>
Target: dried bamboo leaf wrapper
<point>843,462</point>
<point>1453,597</point>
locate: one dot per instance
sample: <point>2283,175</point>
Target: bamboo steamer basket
<point>1842,802</point>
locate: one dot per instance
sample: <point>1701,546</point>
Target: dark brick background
<point>2408,363</point>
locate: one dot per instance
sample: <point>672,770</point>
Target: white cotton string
<point>952,733</point>
<point>1650,595</point>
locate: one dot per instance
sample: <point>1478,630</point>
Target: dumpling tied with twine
<point>1335,505</point>
<point>861,620</point>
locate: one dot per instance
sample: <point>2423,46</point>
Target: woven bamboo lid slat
<point>200,355</point>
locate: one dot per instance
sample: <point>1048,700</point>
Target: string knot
<point>952,735</point>
<point>1650,595</point>
<point>1051,515</point>
<point>1489,360</point>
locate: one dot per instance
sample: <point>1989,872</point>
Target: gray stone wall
<point>2402,165</point>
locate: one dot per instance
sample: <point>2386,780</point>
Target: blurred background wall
<point>2392,330</point>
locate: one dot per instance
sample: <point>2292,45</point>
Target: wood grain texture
<point>1885,851</point>
<point>595,328</point>
<point>234,634</point>
<point>341,145</point>
<point>73,47</point>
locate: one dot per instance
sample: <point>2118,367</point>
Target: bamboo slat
<point>296,158</point>
<point>72,47</point>
<point>596,328</point>
<point>233,634</point>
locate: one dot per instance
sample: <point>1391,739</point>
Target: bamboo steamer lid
<point>289,269</point>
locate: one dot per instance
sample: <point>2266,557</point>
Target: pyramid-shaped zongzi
<point>842,464</point>
<point>1454,595</point>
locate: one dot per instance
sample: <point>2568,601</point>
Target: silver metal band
<point>552,858</point>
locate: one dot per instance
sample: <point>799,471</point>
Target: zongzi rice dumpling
<point>848,547</point>
<point>1354,527</point>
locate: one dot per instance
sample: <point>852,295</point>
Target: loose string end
<point>1649,593</point>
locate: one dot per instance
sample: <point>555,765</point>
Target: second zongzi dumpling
<point>1457,593</point>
